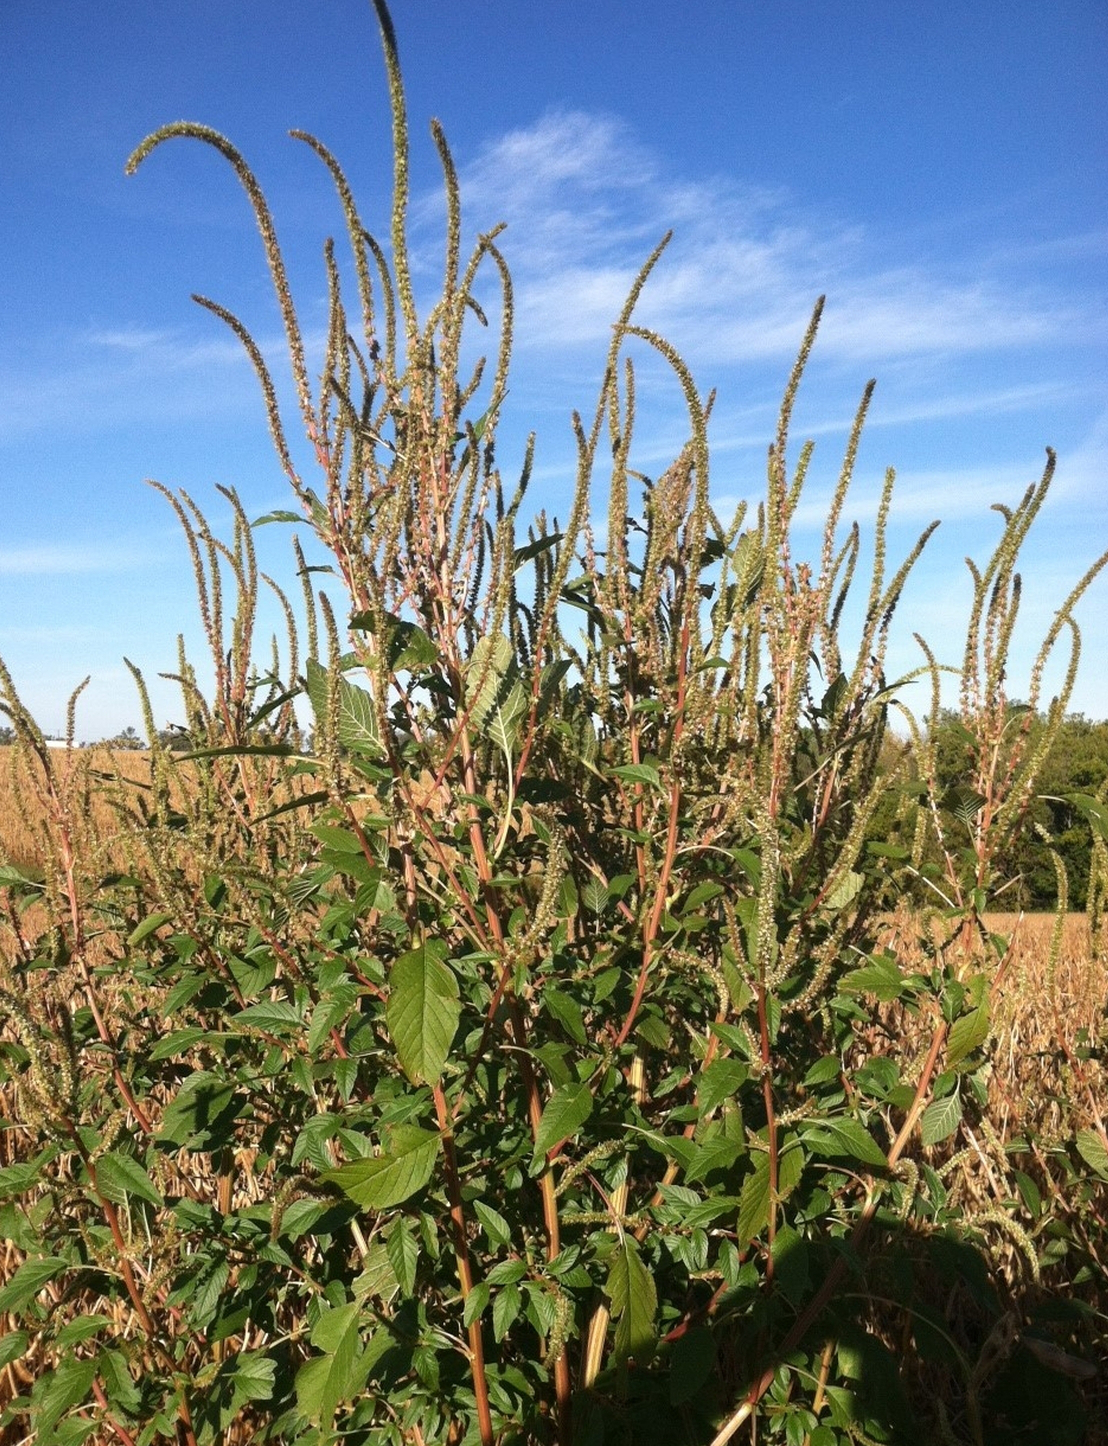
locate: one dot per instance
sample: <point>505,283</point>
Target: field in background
<point>21,836</point>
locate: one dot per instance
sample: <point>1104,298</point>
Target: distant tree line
<point>1075,771</point>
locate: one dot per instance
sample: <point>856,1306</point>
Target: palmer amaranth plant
<point>522,1063</point>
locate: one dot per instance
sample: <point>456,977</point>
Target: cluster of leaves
<point>517,1066</point>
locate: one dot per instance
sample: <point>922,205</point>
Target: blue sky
<point>940,173</point>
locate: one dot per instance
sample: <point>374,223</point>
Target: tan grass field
<point>1049,1013</point>
<point>22,839</point>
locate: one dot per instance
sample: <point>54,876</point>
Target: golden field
<point>22,839</point>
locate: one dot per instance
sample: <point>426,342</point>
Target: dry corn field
<point>1044,1015</point>
<point>21,821</point>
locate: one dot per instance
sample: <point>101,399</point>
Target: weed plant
<point>522,1063</point>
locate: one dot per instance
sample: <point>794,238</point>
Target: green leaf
<point>506,716</point>
<point>328,1380</point>
<point>718,1153</point>
<point>357,721</point>
<point>567,1012</point>
<point>13,878</point>
<point>82,1328</point>
<point>275,1016</point>
<point>880,976</point>
<point>280,515</point>
<point>634,1298</point>
<point>790,1263</point>
<point>1029,1193</point>
<point>967,1034</point>
<point>824,1436</point>
<point>377,1278</point>
<point>57,1392</point>
<point>888,851</point>
<point>476,1303</point>
<point>721,1081</point>
<point>118,1175</point>
<point>827,1068</point>
<point>18,1179</point>
<point>28,1280</point>
<point>342,840</point>
<point>1091,1148</point>
<point>843,1407</point>
<point>311,1144</point>
<point>410,650</point>
<point>594,896</point>
<point>846,890</point>
<point>496,1227</point>
<point>790,1165</point>
<point>333,1327</point>
<point>204,1289</point>
<point>754,1201</point>
<point>845,1136</point>
<point>253,1376</point>
<point>391,1178</point>
<point>1092,810</point>
<point>508,1272</point>
<point>637,773</point>
<point>147,927</point>
<point>302,800</point>
<point>963,802</point>
<point>119,1384</point>
<point>940,1119</point>
<point>701,894</point>
<point>330,1012</point>
<point>12,1346</point>
<point>403,1252</point>
<point>566,1111</point>
<point>693,1212</point>
<point>172,1045</point>
<point>505,1308</point>
<point>202,1113</point>
<point>692,1362</point>
<point>748,563</point>
<point>533,549</point>
<point>422,1011</point>
<point>489,664</point>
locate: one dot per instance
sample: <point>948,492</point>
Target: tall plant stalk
<point>525,1048</point>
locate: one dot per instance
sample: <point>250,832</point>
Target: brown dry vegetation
<point>1047,1082</point>
<point>23,829</point>
<point>1048,1007</point>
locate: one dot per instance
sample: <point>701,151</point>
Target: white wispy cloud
<point>585,203</point>
<point>1083,472</point>
<point>107,377</point>
<point>751,427</point>
<point>167,349</point>
<point>62,558</point>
